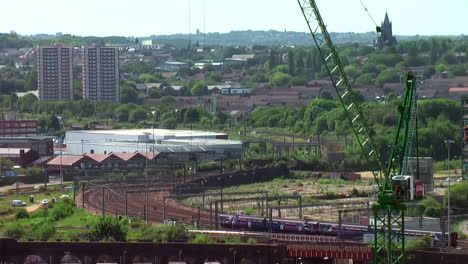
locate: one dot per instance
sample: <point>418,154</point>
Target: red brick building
<point>18,128</point>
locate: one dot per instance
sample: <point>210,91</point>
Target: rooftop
<point>12,151</point>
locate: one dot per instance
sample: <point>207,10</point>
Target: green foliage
<point>128,95</point>
<point>176,233</point>
<point>62,209</point>
<point>202,239</point>
<point>21,213</point>
<point>42,231</point>
<point>154,92</point>
<point>418,243</point>
<point>199,89</point>
<point>249,211</point>
<point>251,241</point>
<point>105,228</point>
<point>6,164</point>
<point>138,115</point>
<point>432,207</point>
<point>14,230</point>
<point>364,79</point>
<point>150,233</point>
<point>442,165</point>
<point>387,76</point>
<point>458,195</point>
<point>280,79</point>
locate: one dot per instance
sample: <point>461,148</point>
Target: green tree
<point>291,63</point>
<point>387,76</point>
<point>128,95</point>
<point>458,195</point>
<point>122,113</point>
<point>441,68</point>
<point>325,95</point>
<point>105,228</point>
<point>54,123</point>
<point>6,164</point>
<point>138,115</point>
<point>154,92</point>
<point>272,59</point>
<point>26,103</point>
<point>364,79</point>
<point>13,98</point>
<point>199,89</point>
<point>30,81</point>
<point>191,115</point>
<point>280,79</point>
<point>351,71</point>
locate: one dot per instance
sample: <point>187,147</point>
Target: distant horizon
<point>181,33</point>
<point>158,17</point>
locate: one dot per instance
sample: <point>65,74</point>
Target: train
<point>261,224</point>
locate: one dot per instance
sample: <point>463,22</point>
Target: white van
<point>17,203</point>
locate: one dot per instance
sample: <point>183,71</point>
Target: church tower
<point>386,37</point>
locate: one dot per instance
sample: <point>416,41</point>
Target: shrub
<point>5,209</point>
<point>21,213</point>
<point>76,235</point>
<point>251,241</point>
<point>419,243</point>
<point>432,207</point>
<point>105,228</point>
<point>330,195</point>
<point>175,233</point>
<point>42,231</point>
<point>324,181</point>
<point>14,230</point>
<point>202,239</point>
<point>150,233</point>
<point>249,211</point>
<point>232,240</point>
<point>62,209</point>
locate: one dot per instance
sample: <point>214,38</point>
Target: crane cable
<point>365,8</point>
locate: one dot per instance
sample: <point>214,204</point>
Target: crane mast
<point>389,224</point>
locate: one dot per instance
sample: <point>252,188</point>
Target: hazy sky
<point>157,17</point>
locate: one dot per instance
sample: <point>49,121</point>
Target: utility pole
<point>448,143</point>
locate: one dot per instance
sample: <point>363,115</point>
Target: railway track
<point>114,200</point>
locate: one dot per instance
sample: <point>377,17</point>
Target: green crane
<point>389,223</point>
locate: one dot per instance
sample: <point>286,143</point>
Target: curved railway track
<point>114,200</point>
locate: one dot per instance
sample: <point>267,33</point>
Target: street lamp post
<point>448,143</point>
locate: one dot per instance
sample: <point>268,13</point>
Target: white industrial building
<point>157,140</point>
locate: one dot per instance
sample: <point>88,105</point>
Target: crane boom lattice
<point>343,89</point>
<point>389,223</point>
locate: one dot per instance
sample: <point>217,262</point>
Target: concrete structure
<point>18,128</point>
<point>100,74</point>
<point>149,140</point>
<point>55,72</point>
<point>426,172</point>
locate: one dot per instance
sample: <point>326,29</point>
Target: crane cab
<point>403,187</point>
